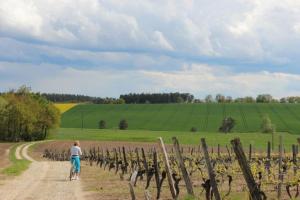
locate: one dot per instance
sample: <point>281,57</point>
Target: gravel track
<point>43,180</point>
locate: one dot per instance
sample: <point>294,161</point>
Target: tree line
<point>261,98</point>
<point>143,98</point>
<point>26,116</point>
<point>158,98</point>
<point>75,98</point>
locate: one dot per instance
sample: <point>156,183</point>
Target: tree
<point>123,125</point>
<point>26,116</point>
<point>249,99</point>
<point>283,100</point>
<point>179,100</point>
<point>264,98</point>
<point>209,99</point>
<point>228,99</point>
<point>227,125</point>
<point>266,125</point>
<point>102,124</point>
<point>220,98</point>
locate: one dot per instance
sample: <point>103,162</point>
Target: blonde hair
<point>76,143</point>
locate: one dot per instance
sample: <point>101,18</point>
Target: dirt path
<point>18,151</point>
<point>43,180</point>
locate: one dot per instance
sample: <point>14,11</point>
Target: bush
<point>194,129</point>
<point>102,124</point>
<point>123,125</point>
<point>227,125</point>
<point>266,125</point>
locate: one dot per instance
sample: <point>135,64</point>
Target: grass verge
<point>17,166</point>
<point>258,140</point>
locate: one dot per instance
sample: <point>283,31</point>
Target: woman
<point>75,158</point>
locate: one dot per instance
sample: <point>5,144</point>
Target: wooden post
<point>131,191</point>
<point>294,149</point>
<point>211,173</point>
<point>269,157</point>
<point>138,159</point>
<point>219,154</point>
<point>294,153</point>
<point>187,180</point>
<point>228,151</point>
<point>250,152</point>
<point>280,175</point>
<point>145,161</point>
<point>156,173</point>
<point>116,160</point>
<point>241,157</point>
<point>273,132</point>
<point>168,169</point>
<point>124,158</point>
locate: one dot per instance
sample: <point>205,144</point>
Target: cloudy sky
<point>105,48</point>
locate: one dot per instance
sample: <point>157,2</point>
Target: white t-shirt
<point>76,151</point>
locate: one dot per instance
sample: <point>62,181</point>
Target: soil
<point>4,152</point>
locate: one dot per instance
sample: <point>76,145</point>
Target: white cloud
<point>162,41</point>
<point>248,29</point>
<point>196,79</point>
<point>204,79</point>
<point>150,41</point>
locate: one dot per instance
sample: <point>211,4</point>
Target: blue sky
<point>105,48</point>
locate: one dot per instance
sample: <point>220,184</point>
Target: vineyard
<point>197,172</point>
<point>182,117</point>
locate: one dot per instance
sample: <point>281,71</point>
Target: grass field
<point>258,140</point>
<point>181,117</point>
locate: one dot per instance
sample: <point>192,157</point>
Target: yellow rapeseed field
<point>63,107</point>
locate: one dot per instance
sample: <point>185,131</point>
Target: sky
<point>107,48</point>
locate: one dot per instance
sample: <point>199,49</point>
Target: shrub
<point>102,124</point>
<point>227,125</point>
<point>123,125</point>
<point>194,129</point>
<point>266,125</point>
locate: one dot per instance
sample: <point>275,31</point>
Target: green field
<point>259,140</point>
<point>181,117</point>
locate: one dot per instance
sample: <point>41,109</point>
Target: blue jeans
<point>76,161</point>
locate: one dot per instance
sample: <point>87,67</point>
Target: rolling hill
<point>181,117</point>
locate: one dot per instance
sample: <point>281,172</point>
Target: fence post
<point>294,149</point>
<point>280,175</point>
<point>125,159</point>
<point>187,180</point>
<point>269,157</point>
<point>241,157</point>
<point>210,171</point>
<point>250,152</point>
<point>168,169</point>
<point>156,174</point>
<point>228,151</point>
<point>131,191</point>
